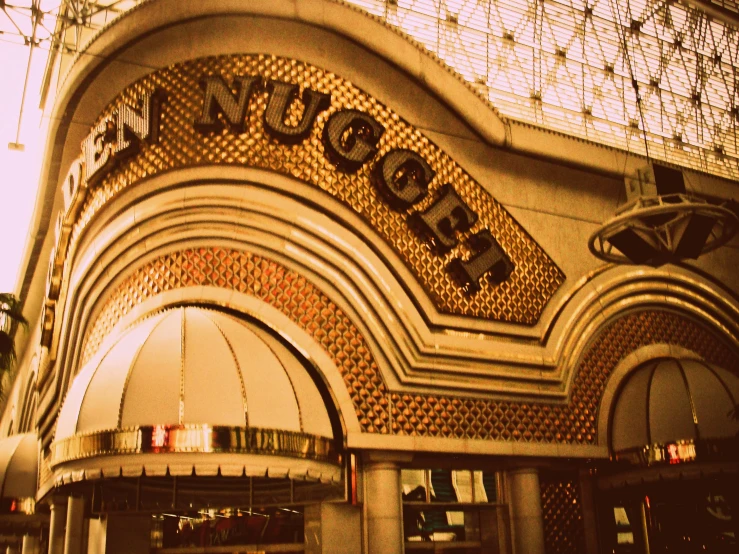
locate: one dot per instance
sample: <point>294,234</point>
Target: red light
<point>672,454</point>
<point>159,436</point>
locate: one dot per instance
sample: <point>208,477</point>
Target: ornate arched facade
<point>310,172</point>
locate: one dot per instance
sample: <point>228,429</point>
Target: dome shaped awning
<point>192,389</point>
<point>18,466</point>
<point>672,410</point>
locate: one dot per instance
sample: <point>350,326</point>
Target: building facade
<point>297,287</point>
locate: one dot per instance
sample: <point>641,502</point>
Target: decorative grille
<point>564,531</point>
<point>569,65</point>
<point>378,409</point>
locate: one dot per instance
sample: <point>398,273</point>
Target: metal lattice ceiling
<point>581,67</point>
<point>570,65</point>
<point>62,24</point>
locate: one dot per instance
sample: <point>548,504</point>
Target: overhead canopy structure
<point>652,77</point>
<point>674,420</point>
<point>191,390</point>
<point>19,466</point>
<point>669,408</point>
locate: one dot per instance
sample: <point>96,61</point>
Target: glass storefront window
<point>193,494</point>
<point>228,527</point>
<point>444,485</point>
<point>685,516</point>
<point>212,514</point>
<point>459,507</point>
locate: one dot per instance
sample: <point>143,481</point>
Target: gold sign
<point>262,111</point>
<point>194,438</point>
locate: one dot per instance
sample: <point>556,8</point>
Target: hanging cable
<point>634,83</point>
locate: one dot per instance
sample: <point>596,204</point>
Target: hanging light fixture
<point>660,222</point>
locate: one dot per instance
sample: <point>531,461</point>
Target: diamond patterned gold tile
<point>380,410</point>
<point>521,298</point>
<point>561,506</point>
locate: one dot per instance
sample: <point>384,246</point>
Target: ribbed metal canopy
<point>193,391</point>
<point>670,400</point>
<point>18,466</point>
<point>194,366</point>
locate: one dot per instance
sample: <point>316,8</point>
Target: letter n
<point>220,99</point>
<point>134,126</point>
<point>281,97</point>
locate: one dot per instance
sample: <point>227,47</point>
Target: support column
<point>73,538</point>
<point>57,525</point>
<point>383,503</point>
<point>526,515</point>
<point>587,500</point>
<point>31,544</point>
<point>128,534</point>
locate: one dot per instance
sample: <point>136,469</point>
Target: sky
<point>19,171</point>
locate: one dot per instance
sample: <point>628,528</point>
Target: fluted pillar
<point>526,514</point>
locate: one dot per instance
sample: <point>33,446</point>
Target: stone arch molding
<point>417,349</point>
<point>322,240</point>
<point>290,222</point>
<point>158,33</point>
<point>201,210</point>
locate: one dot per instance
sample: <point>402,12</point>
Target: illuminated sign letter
<point>281,97</point>
<point>220,99</point>
<point>442,219</point>
<point>488,258</point>
<point>97,147</point>
<point>350,139</point>
<point>402,177</point>
<point>133,126</point>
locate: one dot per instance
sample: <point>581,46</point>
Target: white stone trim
<point>411,355</point>
<point>473,446</point>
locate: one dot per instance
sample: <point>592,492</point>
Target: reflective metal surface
<point>681,452</point>
<point>193,439</point>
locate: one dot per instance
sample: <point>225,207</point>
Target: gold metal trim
<point>680,452</point>
<point>25,505</point>
<point>170,439</point>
